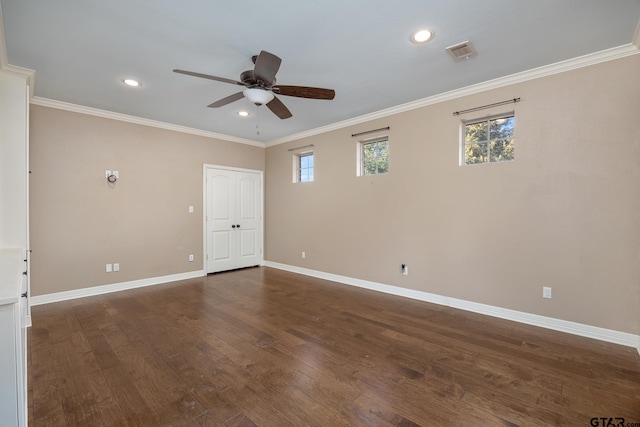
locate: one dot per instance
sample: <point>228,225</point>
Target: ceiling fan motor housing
<point>247,78</point>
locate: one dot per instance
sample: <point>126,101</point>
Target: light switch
<point>190,209</point>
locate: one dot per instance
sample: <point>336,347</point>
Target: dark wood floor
<point>270,348</point>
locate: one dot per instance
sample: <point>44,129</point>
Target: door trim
<point>207,166</point>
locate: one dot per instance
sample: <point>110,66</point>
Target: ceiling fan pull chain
<point>257,120</point>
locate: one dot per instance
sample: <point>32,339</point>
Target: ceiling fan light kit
<point>258,96</point>
<point>261,88</point>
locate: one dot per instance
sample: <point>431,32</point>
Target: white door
<point>233,219</point>
<point>249,218</point>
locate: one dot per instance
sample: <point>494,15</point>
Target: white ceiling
<point>80,51</point>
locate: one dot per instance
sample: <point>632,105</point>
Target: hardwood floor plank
<point>81,410</point>
<point>240,420</point>
<point>47,404</point>
<point>133,408</point>
<point>263,347</point>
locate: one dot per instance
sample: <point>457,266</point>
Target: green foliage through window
<point>489,140</point>
<point>374,157</point>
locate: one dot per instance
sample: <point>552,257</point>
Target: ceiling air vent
<point>464,50</point>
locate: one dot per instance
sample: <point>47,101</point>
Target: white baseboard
<point>602,334</point>
<point>114,287</point>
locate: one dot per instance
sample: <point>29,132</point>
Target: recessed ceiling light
<point>422,36</point>
<point>131,82</point>
<point>243,113</point>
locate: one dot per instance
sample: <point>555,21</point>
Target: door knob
<point>233,226</point>
<point>238,225</point>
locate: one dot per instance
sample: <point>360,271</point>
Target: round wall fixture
<point>112,176</point>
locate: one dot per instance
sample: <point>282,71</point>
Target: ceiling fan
<point>261,86</point>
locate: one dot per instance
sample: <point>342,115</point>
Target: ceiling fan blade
<point>228,100</point>
<point>267,65</point>
<point>207,76</point>
<point>305,92</point>
<point>278,108</point>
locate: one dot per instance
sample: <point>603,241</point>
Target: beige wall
<point>79,222</point>
<point>565,213</point>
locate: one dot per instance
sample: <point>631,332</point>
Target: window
<point>489,140</point>
<point>374,157</point>
<point>304,167</point>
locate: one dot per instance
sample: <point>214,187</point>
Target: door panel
<point>247,191</point>
<point>222,203</point>
<point>221,244</point>
<point>248,245</point>
<point>249,218</point>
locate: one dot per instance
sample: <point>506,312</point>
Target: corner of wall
<point>3,44</point>
<point>636,37</point>
<point>4,61</point>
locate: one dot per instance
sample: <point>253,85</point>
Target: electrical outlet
<point>546,292</point>
<point>304,255</point>
<point>116,266</point>
<point>190,257</point>
<point>405,269</point>
<point>109,268</point>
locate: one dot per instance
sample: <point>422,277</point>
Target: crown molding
<point>60,105</point>
<point>547,70</point>
<point>535,73</point>
<point>28,75</point>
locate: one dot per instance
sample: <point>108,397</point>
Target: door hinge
<point>24,295</point>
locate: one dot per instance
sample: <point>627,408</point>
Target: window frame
<point>360,154</point>
<point>487,119</point>
<point>297,166</point>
